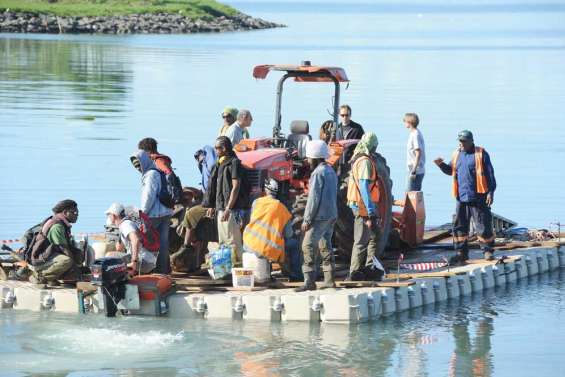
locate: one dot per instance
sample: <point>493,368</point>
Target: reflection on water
<point>57,75</point>
<point>455,339</point>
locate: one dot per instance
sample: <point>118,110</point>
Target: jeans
<point>318,238</point>
<point>162,225</point>
<point>414,182</point>
<point>482,217</point>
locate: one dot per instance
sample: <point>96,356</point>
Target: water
<point>72,109</point>
<point>503,333</point>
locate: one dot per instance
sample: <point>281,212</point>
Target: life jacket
<point>482,183</point>
<point>41,248</point>
<point>264,233</point>
<point>353,189</point>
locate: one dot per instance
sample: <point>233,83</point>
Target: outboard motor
<point>110,275</point>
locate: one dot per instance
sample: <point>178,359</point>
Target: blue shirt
<point>467,176</point>
<point>322,195</point>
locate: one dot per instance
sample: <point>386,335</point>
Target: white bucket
<point>260,266</point>
<point>99,249</point>
<point>242,277</point>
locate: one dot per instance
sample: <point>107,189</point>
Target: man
<point>349,128</point>
<point>226,197</point>
<point>473,188</point>
<point>139,260</point>
<point>320,215</point>
<point>53,253</point>
<point>228,115</point>
<point>160,215</point>
<point>363,198</point>
<point>415,153</point>
<point>238,131</point>
<point>162,162</point>
<point>205,158</point>
<point>269,232</point>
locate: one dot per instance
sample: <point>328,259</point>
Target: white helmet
<point>271,185</point>
<point>317,149</point>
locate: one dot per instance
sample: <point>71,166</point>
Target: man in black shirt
<point>227,197</point>
<point>350,129</point>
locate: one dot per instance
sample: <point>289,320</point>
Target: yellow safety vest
<point>264,233</point>
<point>353,189</point>
<point>482,183</point>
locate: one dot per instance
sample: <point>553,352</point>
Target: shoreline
<point>147,23</point>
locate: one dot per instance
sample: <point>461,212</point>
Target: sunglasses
<point>226,116</point>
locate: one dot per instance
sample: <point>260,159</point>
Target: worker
<point>363,198</point>
<point>327,131</point>
<point>269,229</point>
<point>349,128</point>
<point>205,158</point>
<point>320,215</point>
<point>228,197</point>
<point>162,162</point>
<point>53,252</point>
<point>130,246</point>
<point>473,188</point>
<point>239,129</point>
<point>415,153</point>
<point>228,115</point>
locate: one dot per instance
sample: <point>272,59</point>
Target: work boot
<point>355,276</point>
<point>328,280</point>
<point>53,283</point>
<point>459,259</point>
<point>374,274</point>
<point>37,280</point>
<point>488,255</point>
<point>309,283</point>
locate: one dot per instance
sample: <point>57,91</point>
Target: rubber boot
<point>459,259</point>
<point>328,280</point>
<point>309,283</point>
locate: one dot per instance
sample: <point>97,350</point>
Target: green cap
<point>465,135</point>
<point>231,111</point>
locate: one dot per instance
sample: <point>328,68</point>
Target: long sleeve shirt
<point>467,175</point>
<point>322,195</point>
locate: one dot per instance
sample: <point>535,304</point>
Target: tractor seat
<point>299,136</point>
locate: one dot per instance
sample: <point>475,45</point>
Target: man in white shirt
<point>130,247</point>
<point>238,130</point>
<point>415,153</point>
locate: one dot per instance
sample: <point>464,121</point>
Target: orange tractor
<point>282,157</point>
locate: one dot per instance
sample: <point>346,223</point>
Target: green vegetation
<point>188,8</point>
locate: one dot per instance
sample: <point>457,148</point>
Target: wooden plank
<point>436,235</point>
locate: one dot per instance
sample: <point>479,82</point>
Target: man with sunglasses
<point>350,129</point>
<point>228,115</point>
<point>53,252</point>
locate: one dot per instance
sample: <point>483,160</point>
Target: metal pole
<point>277,127</point>
<point>339,133</point>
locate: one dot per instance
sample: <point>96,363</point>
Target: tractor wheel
<point>297,211</point>
<point>343,233</point>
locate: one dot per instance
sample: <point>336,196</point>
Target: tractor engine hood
<point>262,159</point>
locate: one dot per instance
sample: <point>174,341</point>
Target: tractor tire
<point>343,233</point>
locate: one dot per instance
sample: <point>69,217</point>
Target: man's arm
<point>149,191</point>
<point>418,153</point>
<point>365,189</point>
<point>491,180</point>
<point>135,242</point>
<point>314,198</point>
<point>445,168</point>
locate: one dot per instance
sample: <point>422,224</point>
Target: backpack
<point>27,240</point>
<point>148,233</point>
<point>171,189</point>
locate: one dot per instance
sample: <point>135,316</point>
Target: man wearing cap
<point>320,215</point>
<point>228,115</point>
<point>269,232</point>
<point>53,253</point>
<point>473,188</point>
<point>238,130</point>
<point>363,198</point>
<point>140,260</point>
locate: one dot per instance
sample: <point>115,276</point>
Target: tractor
<point>282,157</point>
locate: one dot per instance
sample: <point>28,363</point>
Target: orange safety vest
<point>482,183</point>
<point>264,233</point>
<point>353,189</point>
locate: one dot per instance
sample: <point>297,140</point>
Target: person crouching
<point>269,232</point>
<point>53,253</point>
<point>130,247</point>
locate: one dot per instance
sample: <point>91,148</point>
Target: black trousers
<point>482,218</point>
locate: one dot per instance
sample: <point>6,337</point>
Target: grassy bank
<point>187,8</point>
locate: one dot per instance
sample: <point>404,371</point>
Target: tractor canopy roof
<point>303,73</point>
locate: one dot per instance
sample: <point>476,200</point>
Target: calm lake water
<point>72,109</point>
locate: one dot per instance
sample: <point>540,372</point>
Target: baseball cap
<point>115,209</point>
<point>465,135</point>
